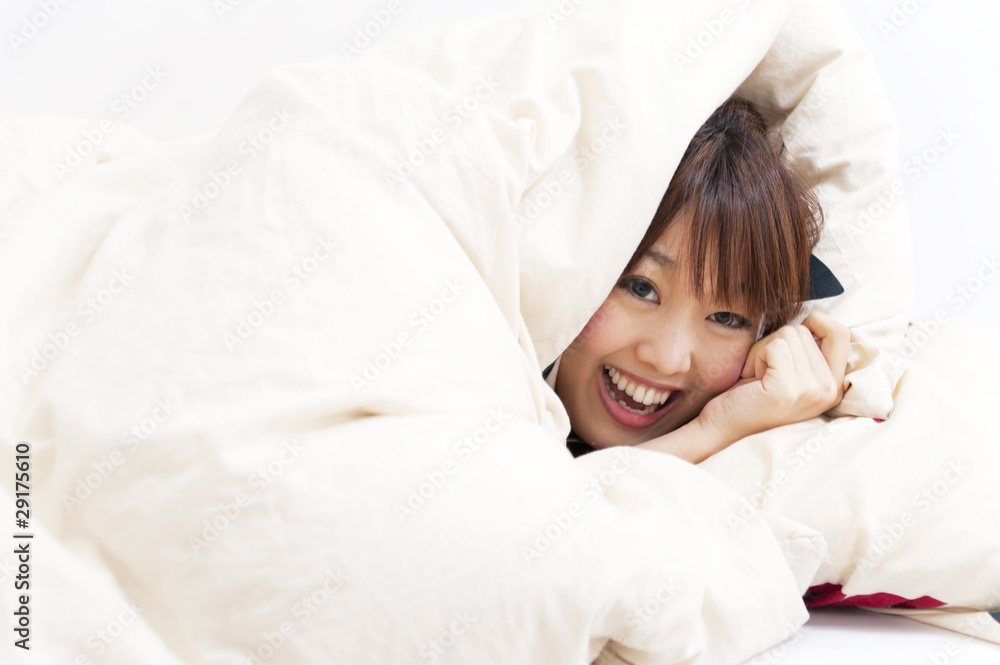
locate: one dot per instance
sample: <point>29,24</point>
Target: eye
<point>640,288</point>
<point>730,320</point>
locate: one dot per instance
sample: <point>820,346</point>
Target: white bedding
<point>78,563</point>
<point>272,367</point>
<point>833,636</point>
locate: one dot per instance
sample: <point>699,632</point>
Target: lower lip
<point>623,416</point>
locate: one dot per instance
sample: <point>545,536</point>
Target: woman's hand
<point>793,374</point>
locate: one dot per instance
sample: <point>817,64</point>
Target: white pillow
<point>820,83</point>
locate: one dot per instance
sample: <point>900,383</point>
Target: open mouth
<point>631,404</point>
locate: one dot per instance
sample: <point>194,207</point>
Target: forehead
<point>672,252</point>
<point>671,257</point>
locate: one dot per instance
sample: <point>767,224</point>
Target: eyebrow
<point>661,258</point>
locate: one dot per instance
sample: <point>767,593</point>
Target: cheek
<point>602,332</point>
<point>731,374</point>
<point>723,367</point>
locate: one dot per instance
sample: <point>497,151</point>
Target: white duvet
<point>282,385</point>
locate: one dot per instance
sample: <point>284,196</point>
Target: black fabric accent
<point>996,616</point>
<point>578,446</point>
<point>547,371</point>
<point>822,282</point>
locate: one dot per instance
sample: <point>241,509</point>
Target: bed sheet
<point>838,635</point>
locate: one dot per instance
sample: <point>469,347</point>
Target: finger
<point>755,350</point>
<point>755,363</point>
<point>776,356</point>
<point>817,362</point>
<point>750,363</point>
<point>799,341</point>
<point>823,382</point>
<point>835,341</point>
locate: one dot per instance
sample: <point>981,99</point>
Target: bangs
<point>751,222</point>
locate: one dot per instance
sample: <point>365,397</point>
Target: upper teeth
<point>637,391</point>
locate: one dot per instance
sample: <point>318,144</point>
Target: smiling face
<point>724,260</point>
<point>655,352</point>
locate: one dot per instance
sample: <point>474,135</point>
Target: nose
<point>667,348</point>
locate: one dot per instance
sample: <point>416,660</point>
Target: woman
<point>691,352</point>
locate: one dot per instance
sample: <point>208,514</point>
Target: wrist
<point>694,441</point>
<point>722,434</point>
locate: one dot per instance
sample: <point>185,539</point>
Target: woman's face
<point>654,342</point>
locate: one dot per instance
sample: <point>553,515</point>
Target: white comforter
<point>282,385</point>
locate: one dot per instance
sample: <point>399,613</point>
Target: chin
<point>610,437</point>
<point>612,434</point>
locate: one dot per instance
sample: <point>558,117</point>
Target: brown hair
<point>749,210</point>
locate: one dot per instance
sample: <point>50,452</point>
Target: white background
<point>941,68</point>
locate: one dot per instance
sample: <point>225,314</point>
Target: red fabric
<point>830,594</point>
